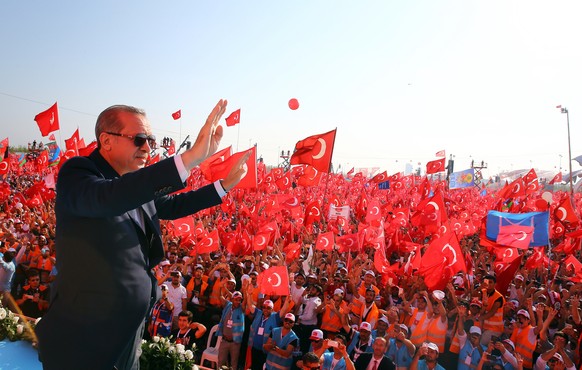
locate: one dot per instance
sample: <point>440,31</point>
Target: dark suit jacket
<point>364,360</point>
<point>104,285</point>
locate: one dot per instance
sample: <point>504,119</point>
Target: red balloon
<point>293,104</point>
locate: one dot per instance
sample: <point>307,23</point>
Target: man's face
<point>522,321</point>
<point>198,273</point>
<point>183,322</point>
<point>431,355</point>
<point>369,297</point>
<point>288,323</point>
<point>34,281</point>
<point>379,346</point>
<point>382,326</point>
<point>369,279</point>
<point>236,302</point>
<point>172,257</point>
<point>299,280</point>
<point>474,338</point>
<point>175,279</point>
<point>489,284</point>
<point>121,152</point>
<point>364,335</point>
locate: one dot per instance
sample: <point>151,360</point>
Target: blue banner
<point>462,179</point>
<point>538,220</point>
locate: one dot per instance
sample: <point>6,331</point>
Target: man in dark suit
<point>372,361</point>
<point>108,209</point>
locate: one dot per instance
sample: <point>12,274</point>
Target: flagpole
<point>180,128</point>
<point>565,110</point>
<point>237,137</point>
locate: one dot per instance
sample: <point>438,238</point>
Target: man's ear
<point>105,140</point>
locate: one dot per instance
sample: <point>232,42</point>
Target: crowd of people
<point>331,308</point>
<point>343,310</point>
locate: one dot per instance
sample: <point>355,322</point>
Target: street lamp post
<point>565,110</point>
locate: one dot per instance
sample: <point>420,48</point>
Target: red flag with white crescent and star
<point>177,114</point>
<point>48,121</point>
<point>435,166</point>
<point>315,150</point>
<point>233,118</point>
<point>274,281</point>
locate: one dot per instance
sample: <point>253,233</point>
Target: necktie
<point>375,367</point>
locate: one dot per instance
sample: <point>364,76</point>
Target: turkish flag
<point>261,240</point>
<point>565,212</point>
<point>436,274</point>
<point>284,182</point>
<point>349,243</point>
<point>3,147</point>
<point>374,211</point>
<point>435,166</point>
<point>177,114</point>
<point>556,179</point>
<point>183,226</point>
<point>430,213</point>
<point>310,177</point>
<point>34,201</point>
<point>154,159</point>
<point>217,157</point>
<point>312,212</point>
<point>516,189</point>
<point>233,118</point>
<point>380,177</point>
<point>4,166</point>
<point>208,243</point>
<point>42,160</point>
<point>71,143</point>
<point>292,251</point>
<point>48,121</point>
<point>172,147</point>
<point>220,170</point>
<point>531,182</point>
<point>537,259</point>
<point>505,272</point>
<point>315,150</point>
<point>568,246</point>
<point>274,281</point>
<point>85,151</point>
<point>440,153</point>
<point>447,249</point>
<point>573,267</point>
<point>325,242</point>
<point>516,236</point>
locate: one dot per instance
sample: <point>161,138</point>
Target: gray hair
<point>108,119</point>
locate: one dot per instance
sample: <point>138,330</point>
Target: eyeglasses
<point>315,340</point>
<point>138,140</point>
<point>289,321</point>
<point>267,308</point>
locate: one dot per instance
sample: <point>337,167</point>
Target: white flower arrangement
<point>161,354</point>
<point>13,328</point>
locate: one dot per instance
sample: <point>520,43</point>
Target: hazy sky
<point>400,80</point>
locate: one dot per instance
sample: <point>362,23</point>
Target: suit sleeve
<point>84,191</point>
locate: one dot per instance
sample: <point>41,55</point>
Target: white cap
<point>475,330</point>
<point>316,335</point>
<point>338,292</point>
<point>438,294</point>
<point>519,277</point>
<point>370,272</point>
<point>384,319</point>
<point>268,303</point>
<point>165,263</point>
<point>236,294</point>
<point>366,326</point>
<point>509,343</point>
<point>523,313</point>
<point>433,346</point>
<point>290,316</point>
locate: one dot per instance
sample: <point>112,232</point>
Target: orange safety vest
<point>356,310</point>
<point>418,335</point>
<point>372,316</point>
<point>43,264</point>
<point>214,298</point>
<point>522,345</point>
<point>495,322</point>
<point>331,321</point>
<point>436,334</point>
<point>203,287</point>
<point>362,290</point>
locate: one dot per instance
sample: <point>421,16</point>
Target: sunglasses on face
<point>138,140</point>
<point>289,321</point>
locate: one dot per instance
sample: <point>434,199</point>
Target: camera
<point>332,343</point>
